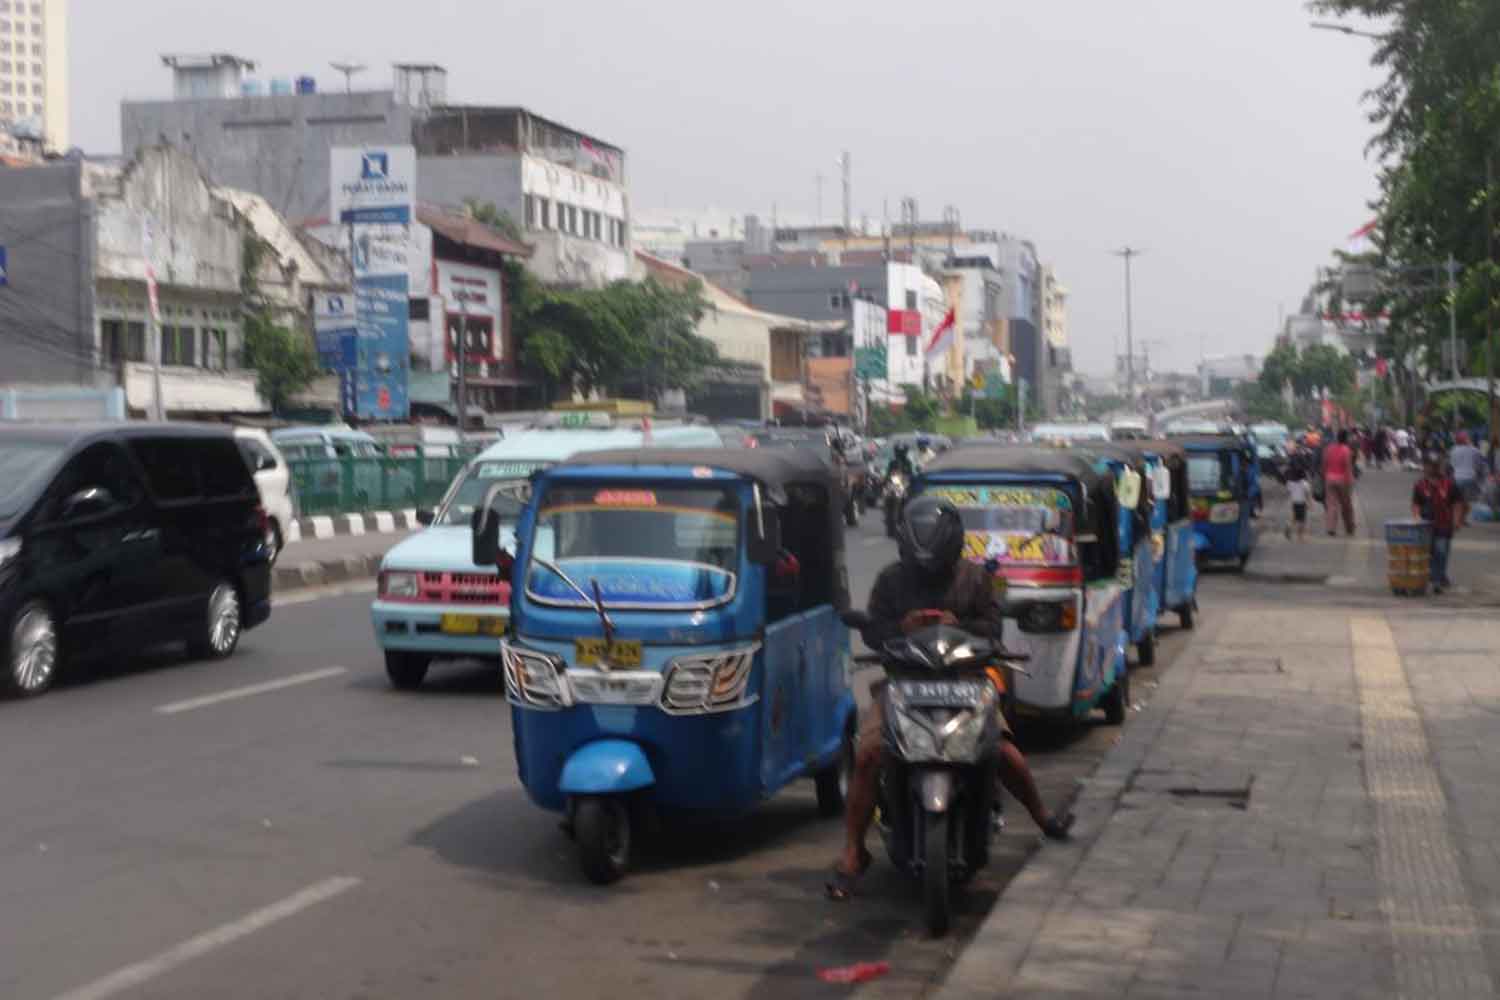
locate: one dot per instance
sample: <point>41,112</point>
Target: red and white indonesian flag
<point>1360,242</point>
<point>942,337</point>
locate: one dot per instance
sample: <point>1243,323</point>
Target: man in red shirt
<point>1338,484</point>
<point>1437,498</point>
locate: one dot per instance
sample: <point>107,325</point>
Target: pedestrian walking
<point>1437,499</point>
<point>1339,470</point>
<point>1300,491</point>
<point>1382,447</point>
<point>1469,467</point>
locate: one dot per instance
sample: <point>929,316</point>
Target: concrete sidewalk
<point>1358,563</point>
<point>316,562</point>
<point>1274,824</point>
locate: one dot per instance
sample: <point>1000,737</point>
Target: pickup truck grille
<point>463,588</point>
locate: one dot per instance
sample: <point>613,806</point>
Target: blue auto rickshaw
<point>1172,534</point>
<point>675,641</point>
<point>1223,487</point>
<point>1133,472</point>
<point>1046,523</point>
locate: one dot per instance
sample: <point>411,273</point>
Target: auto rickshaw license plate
<point>623,653</point>
<point>472,625</point>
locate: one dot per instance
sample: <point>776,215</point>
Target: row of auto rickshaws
<point>675,639</point>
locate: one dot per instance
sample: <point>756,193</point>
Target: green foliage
<point>1321,366</point>
<point>283,360</point>
<point>628,337</point>
<point>1437,118</point>
<point>502,222</point>
<point>1260,402</point>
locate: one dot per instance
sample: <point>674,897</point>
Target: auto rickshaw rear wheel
<point>1145,651</point>
<point>601,828</point>
<point>1117,701</point>
<point>833,781</point>
<point>1185,616</point>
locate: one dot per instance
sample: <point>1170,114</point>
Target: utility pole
<point>1129,253</point>
<point>844,166</point>
<point>1489,292</point>
<point>1452,268</point>
<point>818,214</point>
<point>463,367</point>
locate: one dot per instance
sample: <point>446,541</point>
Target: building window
<point>4,105</point>
<point>36,68</point>
<point>36,50</point>
<point>573,219</point>
<point>530,202</point>
<point>911,300</point>
<point>543,213</point>
<point>36,9</point>
<point>36,29</point>
<point>36,90</point>
<point>911,346</point>
<point>836,301</point>
<point>177,345</point>
<point>215,352</point>
<point>120,341</point>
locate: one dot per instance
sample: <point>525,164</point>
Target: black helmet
<point>930,535</point>
<point>924,442</point>
<point>901,448</point>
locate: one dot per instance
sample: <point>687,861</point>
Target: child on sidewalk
<point>1300,491</point>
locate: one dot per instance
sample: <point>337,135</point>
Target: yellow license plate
<point>472,625</point>
<point>623,653</point>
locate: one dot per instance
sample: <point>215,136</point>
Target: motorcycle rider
<point>931,584</point>
<point>900,462</point>
<point>925,451</point>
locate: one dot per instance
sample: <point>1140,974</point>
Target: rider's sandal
<point>841,886</point>
<point>1058,827</point>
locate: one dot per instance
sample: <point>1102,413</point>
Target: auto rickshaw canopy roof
<point>1021,461</point>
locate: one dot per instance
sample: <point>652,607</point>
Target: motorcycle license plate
<point>623,653</point>
<point>942,694</point>
<point>472,625</point>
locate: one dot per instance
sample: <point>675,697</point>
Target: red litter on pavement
<point>861,972</point>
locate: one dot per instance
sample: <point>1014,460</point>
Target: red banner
<point>903,322</point>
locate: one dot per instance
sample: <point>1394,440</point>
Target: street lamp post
<point>1129,253</point>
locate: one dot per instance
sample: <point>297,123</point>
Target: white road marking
<point>132,976</point>
<point>320,593</point>
<point>249,690</point>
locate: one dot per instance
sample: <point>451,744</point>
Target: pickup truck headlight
<point>399,584</point>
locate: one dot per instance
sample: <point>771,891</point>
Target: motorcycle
<point>896,486</point>
<point>936,798</point>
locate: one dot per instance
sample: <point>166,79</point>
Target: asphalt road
<point>284,825</point>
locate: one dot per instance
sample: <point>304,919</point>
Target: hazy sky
<point>1226,138</point>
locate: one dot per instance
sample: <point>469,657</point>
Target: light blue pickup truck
<point>433,603</point>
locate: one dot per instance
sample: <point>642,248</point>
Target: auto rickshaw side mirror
<point>765,537</point>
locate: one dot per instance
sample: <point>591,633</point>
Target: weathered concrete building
<point>565,187</point>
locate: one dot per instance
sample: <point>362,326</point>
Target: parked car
<point>433,603</point>
<point>274,481</point>
<point>118,536</point>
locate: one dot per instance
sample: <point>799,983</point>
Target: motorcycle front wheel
<point>937,903</point>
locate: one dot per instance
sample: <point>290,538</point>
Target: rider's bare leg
<point>859,809</point>
<point>1015,774</point>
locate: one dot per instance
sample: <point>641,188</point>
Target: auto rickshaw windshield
<point>647,546</point>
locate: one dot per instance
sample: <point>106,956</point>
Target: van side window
<point>223,469</point>
<point>257,455</point>
<point>102,467</point>
<point>171,466</point>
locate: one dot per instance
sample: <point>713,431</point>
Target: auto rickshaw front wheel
<point>601,828</point>
<point>1145,651</point>
<point>1185,617</point>
<point>1117,701</point>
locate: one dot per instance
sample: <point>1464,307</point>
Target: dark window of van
<point>223,469</point>
<point>171,466</point>
<point>102,467</point>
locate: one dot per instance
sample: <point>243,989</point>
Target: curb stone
<point>375,522</point>
<point>288,575</point>
<point>988,964</point>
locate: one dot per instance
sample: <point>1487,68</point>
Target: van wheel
<point>833,781</point>
<point>274,540</point>
<point>1117,701</point>
<point>32,653</point>
<point>407,671</point>
<point>219,632</point>
<point>1145,651</point>
<point>601,827</point>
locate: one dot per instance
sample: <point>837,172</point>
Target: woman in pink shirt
<point>1338,484</point>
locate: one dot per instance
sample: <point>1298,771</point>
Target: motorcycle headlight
<point>1224,513</point>
<point>397,584</point>
<point>964,735</point>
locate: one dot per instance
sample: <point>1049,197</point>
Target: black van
<point>117,536</point>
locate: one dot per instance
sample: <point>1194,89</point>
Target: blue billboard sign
<point>383,347</point>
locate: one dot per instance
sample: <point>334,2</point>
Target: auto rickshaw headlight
<point>711,683</point>
<point>1224,513</point>
<point>1048,616</point>
<point>534,678</point>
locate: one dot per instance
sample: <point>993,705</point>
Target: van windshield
<point>469,489</point>
<point>646,546</point>
<point>1015,524</point>
<point>22,464</point>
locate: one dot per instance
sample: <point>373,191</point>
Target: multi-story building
<point>34,69</point>
<point>565,188</point>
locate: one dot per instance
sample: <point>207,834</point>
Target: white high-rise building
<point>34,69</point>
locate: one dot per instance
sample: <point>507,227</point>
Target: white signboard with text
<point>372,184</point>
